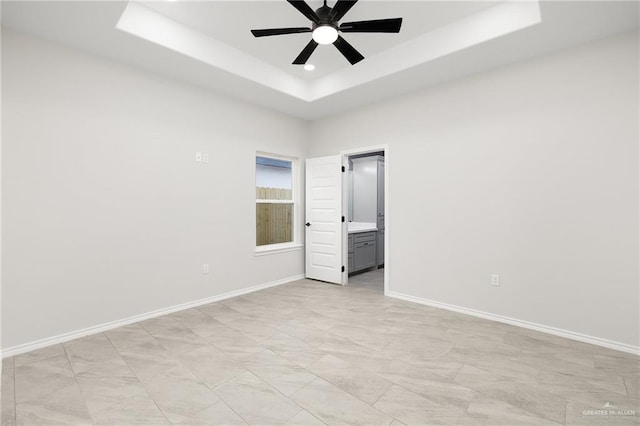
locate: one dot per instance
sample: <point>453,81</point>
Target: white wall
<point>529,171</point>
<point>105,212</point>
<point>365,189</point>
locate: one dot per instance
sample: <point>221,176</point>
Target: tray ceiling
<point>208,43</point>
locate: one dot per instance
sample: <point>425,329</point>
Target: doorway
<point>365,237</point>
<point>327,236</point>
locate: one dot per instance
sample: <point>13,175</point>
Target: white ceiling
<point>209,43</point>
<point>230,22</point>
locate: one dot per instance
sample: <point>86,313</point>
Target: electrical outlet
<point>205,268</point>
<point>495,280</point>
<point>205,158</point>
<point>198,157</point>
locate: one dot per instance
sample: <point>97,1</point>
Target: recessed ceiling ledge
<point>475,29</point>
<point>480,27</point>
<point>156,28</point>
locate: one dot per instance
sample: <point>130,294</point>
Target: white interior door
<point>323,215</point>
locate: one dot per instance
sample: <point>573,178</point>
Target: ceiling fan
<point>325,28</point>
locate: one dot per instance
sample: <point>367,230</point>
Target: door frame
<point>345,154</point>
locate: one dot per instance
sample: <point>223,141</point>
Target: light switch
<point>198,157</point>
<point>205,158</point>
<point>495,280</point>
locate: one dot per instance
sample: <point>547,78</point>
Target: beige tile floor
<point>309,353</point>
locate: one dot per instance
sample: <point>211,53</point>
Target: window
<point>275,202</point>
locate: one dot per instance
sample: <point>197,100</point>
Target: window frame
<point>294,244</point>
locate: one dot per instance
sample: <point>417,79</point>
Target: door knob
<point>307,224</point>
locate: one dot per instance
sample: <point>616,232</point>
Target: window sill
<point>277,248</point>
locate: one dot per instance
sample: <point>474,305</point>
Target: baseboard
<point>610,344</point>
<point>61,338</point>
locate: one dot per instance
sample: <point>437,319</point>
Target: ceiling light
<point>309,67</point>
<point>325,34</point>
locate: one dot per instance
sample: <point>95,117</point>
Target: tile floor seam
<point>15,400</point>
<point>343,390</point>
<point>230,408</point>
<point>223,381</point>
<point>384,393</point>
<point>566,413</point>
<point>566,400</point>
<point>449,406</point>
<point>316,417</point>
<point>303,387</point>
<point>346,391</point>
<point>137,377</point>
<point>42,359</point>
<point>268,384</point>
<point>141,324</point>
<point>355,396</point>
<point>219,400</point>
<point>75,378</point>
<point>626,388</point>
<point>282,394</point>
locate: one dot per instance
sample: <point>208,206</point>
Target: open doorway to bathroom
<point>366,213</point>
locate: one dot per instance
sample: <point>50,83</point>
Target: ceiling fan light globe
<point>325,34</point>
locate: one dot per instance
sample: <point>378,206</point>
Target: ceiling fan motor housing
<point>324,14</point>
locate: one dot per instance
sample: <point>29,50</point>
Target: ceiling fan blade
<point>304,8</point>
<point>340,9</point>
<point>374,26</point>
<point>303,57</point>
<point>348,51</point>
<point>279,31</point>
